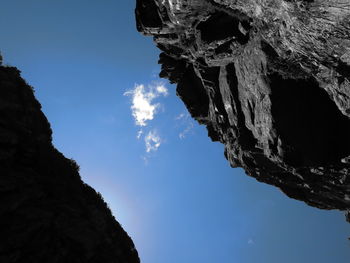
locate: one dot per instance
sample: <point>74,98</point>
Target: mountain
<point>270,80</point>
<point>47,213</point>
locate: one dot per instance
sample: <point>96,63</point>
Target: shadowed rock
<point>47,213</point>
<point>271,80</point>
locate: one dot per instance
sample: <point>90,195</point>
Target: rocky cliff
<point>270,79</point>
<point>47,213</point>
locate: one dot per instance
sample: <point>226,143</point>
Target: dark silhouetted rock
<point>47,213</point>
<point>270,80</point>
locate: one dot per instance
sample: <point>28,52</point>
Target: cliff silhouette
<point>47,213</point>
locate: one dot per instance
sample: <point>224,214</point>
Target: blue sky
<point>180,202</point>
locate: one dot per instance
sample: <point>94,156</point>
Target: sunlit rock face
<point>271,80</point>
<point>47,214</point>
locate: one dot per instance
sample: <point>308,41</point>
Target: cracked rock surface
<point>47,213</point>
<point>271,80</point>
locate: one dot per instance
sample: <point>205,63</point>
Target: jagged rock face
<point>271,80</point>
<point>47,214</point>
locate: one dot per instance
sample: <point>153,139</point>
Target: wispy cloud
<point>180,116</point>
<point>107,120</point>
<point>152,141</point>
<point>185,120</point>
<point>143,107</point>
<point>139,134</point>
<point>188,129</point>
<point>251,241</point>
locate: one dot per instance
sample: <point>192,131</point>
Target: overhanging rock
<point>271,80</point>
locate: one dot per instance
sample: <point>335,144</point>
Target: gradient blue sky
<point>181,203</point>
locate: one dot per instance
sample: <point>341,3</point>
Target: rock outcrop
<point>271,80</point>
<point>47,213</point>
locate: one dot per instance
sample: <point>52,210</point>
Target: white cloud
<point>152,141</point>
<point>251,241</point>
<point>143,109</point>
